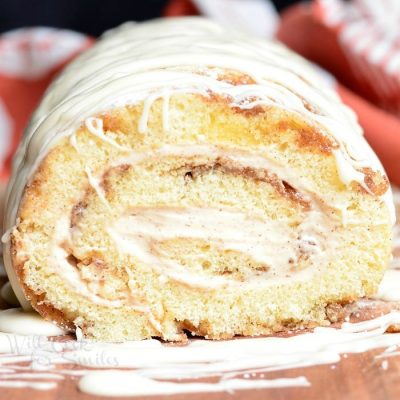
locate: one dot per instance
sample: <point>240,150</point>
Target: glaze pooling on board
<point>15,320</point>
<point>118,383</point>
<point>150,367</point>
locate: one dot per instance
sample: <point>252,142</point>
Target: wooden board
<point>356,376</point>
<point>359,376</point>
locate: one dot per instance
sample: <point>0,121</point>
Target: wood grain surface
<point>359,376</point>
<point>356,376</point>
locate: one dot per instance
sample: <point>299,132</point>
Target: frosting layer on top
<point>146,61</point>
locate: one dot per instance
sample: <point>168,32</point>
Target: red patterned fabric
<point>317,30</point>
<point>299,28</point>
<point>29,59</point>
<point>368,34</point>
<point>178,8</point>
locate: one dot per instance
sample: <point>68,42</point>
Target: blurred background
<point>88,16</point>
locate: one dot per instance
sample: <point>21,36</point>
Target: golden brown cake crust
<point>61,187</point>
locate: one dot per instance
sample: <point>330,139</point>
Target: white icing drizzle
<point>74,143</point>
<point>144,363</point>
<point>389,289</point>
<point>146,111</point>
<point>117,383</point>
<point>7,233</point>
<point>18,384</point>
<point>94,183</point>
<point>32,375</point>
<point>348,175</point>
<point>157,59</point>
<point>95,126</point>
<point>15,320</point>
<point>165,114</point>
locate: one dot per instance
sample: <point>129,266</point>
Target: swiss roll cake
<point>180,178</point>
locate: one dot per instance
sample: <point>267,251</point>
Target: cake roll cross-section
<point>180,177</point>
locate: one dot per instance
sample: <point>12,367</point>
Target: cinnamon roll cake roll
<point>179,177</point>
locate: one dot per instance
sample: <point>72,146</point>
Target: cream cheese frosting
<point>270,243</point>
<point>141,62</point>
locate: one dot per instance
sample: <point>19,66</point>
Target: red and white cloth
<point>331,33</point>
<point>369,33</point>
<point>29,59</point>
<point>323,32</point>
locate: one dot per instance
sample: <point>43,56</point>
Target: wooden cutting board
<point>358,376</point>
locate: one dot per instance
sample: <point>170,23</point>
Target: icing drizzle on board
<point>150,367</point>
<point>31,359</point>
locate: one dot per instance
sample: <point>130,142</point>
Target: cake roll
<point>180,178</point>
